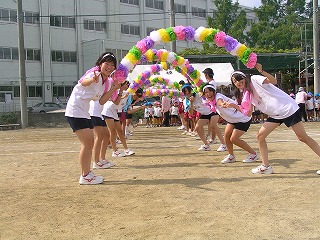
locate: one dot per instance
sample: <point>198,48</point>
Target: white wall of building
<point>88,44</point>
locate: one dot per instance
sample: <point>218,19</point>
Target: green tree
<point>278,25</point>
<point>229,18</point>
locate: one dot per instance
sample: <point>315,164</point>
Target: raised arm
<point>269,77</point>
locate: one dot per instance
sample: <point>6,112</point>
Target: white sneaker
<point>252,157</point>
<point>129,152</point>
<point>181,127</point>
<point>118,154</point>
<point>222,148</point>
<point>184,133</point>
<point>204,147</point>
<point>262,170</point>
<point>229,159</point>
<point>193,134</point>
<point>90,179</point>
<point>318,172</point>
<point>103,164</point>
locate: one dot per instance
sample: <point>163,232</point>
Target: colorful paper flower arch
<point>202,34</point>
<point>167,61</point>
<point>161,86</point>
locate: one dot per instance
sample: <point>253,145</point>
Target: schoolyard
<point>167,190</point>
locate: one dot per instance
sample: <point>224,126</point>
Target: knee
<point>260,137</point>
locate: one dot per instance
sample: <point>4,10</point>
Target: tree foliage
<point>279,25</point>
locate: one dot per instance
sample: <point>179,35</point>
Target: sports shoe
<point>118,154</point>
<point>252,157</point>
<point>262,170</point>
<point>129,152</point>
<point>318,172</point>
<point>102,164</point>
<point>229,159</point>
<point>181,127</point>
<point>222,148</point>
<point>90,179</point>
<point>204,147</point>
<point>184,133</point>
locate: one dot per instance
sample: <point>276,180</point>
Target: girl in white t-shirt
<point>279,107</point>
<point>207,116</point>
<point>238,116</point>
<point>95,85</point>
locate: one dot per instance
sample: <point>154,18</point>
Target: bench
<point>9,126</point>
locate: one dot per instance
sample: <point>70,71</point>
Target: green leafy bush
<point>8,118</point>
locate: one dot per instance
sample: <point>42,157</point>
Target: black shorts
<point>208,116</point>
<point>128,115</point>
<point>79,123</point>
<point>97,121</point>
<point>106,117</point>
<point>242,126</point>
<point>289,121</point>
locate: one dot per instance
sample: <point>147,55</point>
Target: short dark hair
<point>107,57</point>
<point>209,72</point>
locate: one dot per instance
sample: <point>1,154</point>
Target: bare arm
<point>88,81</point>
<point>105,97</point>
<point>269,77</point>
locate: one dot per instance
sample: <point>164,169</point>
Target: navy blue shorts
<point>128,115</point>
<point>79,123</point>
<point>242,126</point>
<point>98,121</point>
<point>106,117</point>
<point>289,121</point>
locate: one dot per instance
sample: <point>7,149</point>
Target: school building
<point>63,38</point>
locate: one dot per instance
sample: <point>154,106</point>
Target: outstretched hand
<point>259,67</point>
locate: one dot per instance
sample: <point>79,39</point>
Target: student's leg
<point>120,134</point>
<point>299,130</point>
<point>200,130</point>
<point>105,142</point>
<point>98,133</point>
<point>214,125</point>
<point>263,133</point>
<point>112,131</point>
<point>236,139</point>
<point>86,139</point>
<point>227,138</point>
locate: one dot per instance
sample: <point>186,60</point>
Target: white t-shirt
<point>200,106</point>
<point>174,110</point>
<point>309,104</point>
<point>110,109</point>
<point>231,115</point>
<point>157,112</point>
<point>123,102</point>
<point>95,109</point>
<point>271,100</point>
<point>79,102</point>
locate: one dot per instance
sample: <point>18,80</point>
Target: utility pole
<point>306,57</point>
<point>316,73</point>
<point>22,68</point>
<point>173,44</point>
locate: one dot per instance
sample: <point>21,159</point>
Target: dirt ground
<point>168,190</point>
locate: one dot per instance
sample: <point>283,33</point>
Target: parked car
<point>44,107</point>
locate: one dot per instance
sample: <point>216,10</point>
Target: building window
<point>156,4</point>
<point>62,91</point>
<point>180,8</point>
<point>94,25</point>
<point>131,2</point>
<point>129,29</point>
<point>16,91</point>
<point>62,21</point>
<point>63,56</point>
<point>4,14</point>
<point>34,91</point>
<point>198,12</point>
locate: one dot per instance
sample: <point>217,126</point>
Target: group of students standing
<point>98,112</point>
<point>256,90</point>
<point>98,106</point>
